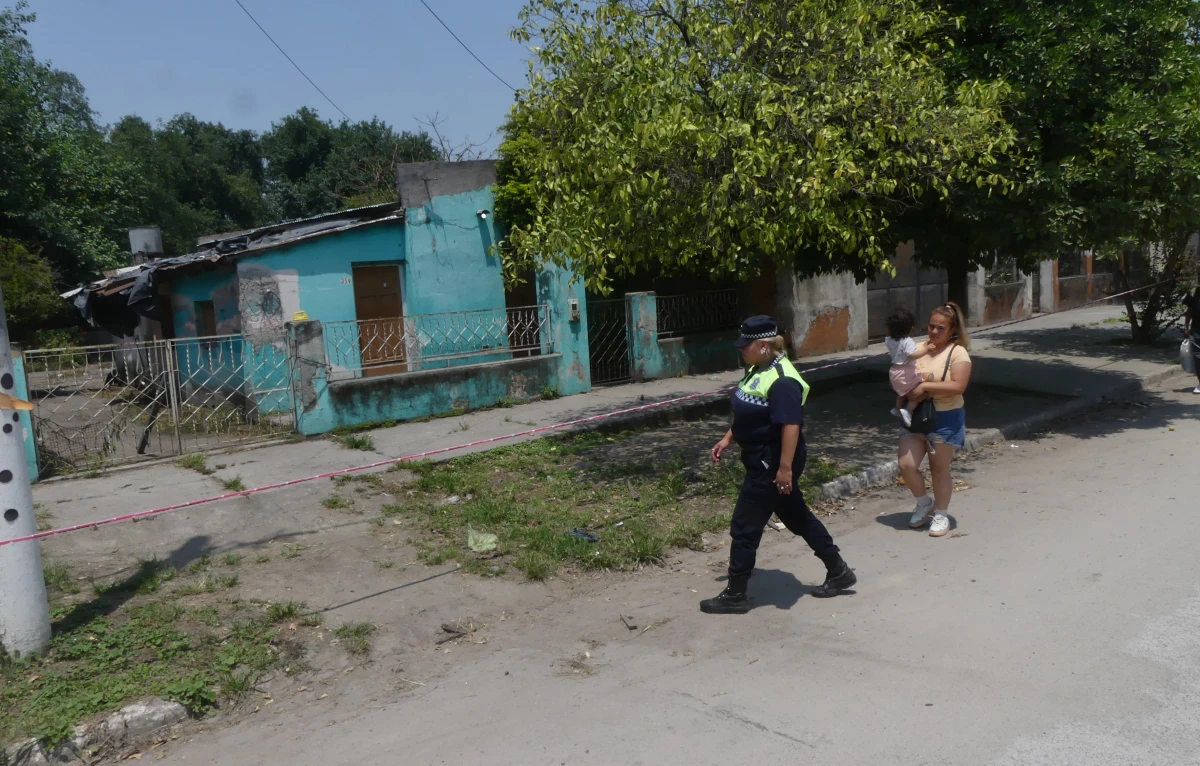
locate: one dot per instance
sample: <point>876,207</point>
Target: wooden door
<point>379,307</point>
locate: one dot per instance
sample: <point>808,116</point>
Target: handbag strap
<point>949,356</point>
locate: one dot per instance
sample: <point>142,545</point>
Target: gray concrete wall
<point>823,314</point>
<point>420,182</point>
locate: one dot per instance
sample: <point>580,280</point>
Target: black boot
<point>732,600</point>
<point>839,577</point>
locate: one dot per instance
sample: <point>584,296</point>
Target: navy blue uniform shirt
<point>755,422</point>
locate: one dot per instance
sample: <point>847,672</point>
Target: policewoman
<point>768,421</point>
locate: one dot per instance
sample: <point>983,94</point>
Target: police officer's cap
<point>758,327</point>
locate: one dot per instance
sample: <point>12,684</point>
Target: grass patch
<point>195,462</point>
<point>335,503</point>
<point>232,559</point>
<point>362,442</point>
<point>127,641</point>
<point>208,584</point>
<point>233,485</point>
<point>58,577</point>
<point>291,551</point>
<point>357,429</point>
<point>532,496</point>
<point>283,610</point>
<point>355,637</point>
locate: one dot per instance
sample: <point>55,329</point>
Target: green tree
<point>195,177</point>
<point>28,281</point>
<point>671,135</point>
<point>1104,108</point>
<point>515,192</point>
<point>314,166</point>
<point>61,192</point>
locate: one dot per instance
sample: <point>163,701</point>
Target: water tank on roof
<point>146,241</point>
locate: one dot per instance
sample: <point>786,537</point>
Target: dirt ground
<point>365,566</point>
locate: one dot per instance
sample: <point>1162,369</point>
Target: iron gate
<point>608,341</point>
<point>105,405</point>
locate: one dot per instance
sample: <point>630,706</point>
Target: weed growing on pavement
<point>355,637</point>
<point>291,550</point>
<point>283,610</point>
<point>130,639</point>
<point>364,442</point>
<point>335,503</point>
<point>232,559</point>
<point>543,499</point>
<point>359,428</point>
<point>195,462</point>
<point>233,485</point>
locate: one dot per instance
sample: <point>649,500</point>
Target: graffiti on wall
<point>268,298</point>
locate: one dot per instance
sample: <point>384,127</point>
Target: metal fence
<point>98,406</point>
<point>427,341</point>
<point>680,315</point>
<point>1003,271</point>
<point>608,341</point>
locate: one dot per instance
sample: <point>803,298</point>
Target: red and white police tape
<point>492,440</point>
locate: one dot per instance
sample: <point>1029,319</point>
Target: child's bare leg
<point>900,402</point>
<point>911,404</point>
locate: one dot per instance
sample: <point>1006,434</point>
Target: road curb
<point>882,474</point>
<point>131,725</point>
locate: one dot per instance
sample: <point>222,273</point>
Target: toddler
<point>905,352</point>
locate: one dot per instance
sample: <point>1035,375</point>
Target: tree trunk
<point>956,274</point>
<point>1148,326</point>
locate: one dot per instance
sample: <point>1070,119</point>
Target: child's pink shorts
<point>904,378</point>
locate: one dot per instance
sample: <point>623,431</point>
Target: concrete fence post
<point>310,378</point>
<point>976,296</point>
<point>1048,291</point>
<point>569,327</point>
<point>645,355</point>
<point>24,609</point>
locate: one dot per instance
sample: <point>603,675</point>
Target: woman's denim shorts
<point>951,428</point>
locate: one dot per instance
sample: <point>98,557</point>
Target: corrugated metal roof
<point>227,247</point>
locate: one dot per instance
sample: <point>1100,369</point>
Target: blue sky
<point>385,58</point>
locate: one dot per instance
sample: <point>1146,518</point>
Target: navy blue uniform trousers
<point>760,498</point>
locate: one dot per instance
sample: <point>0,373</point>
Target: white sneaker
<point>906,416</point>
<point>895,412</point>
<point>940,525</point>
<point>920,515</point>
<point>1196,390</point>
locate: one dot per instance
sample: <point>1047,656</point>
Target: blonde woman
<point>946,369</point>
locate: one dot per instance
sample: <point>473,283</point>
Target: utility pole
<point>24,610</point>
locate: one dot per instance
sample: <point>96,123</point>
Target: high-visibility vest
<point>758,384</point>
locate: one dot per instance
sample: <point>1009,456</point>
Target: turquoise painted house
<point>384,312</point>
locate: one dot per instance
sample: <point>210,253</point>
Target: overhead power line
<point>293,63</point>
<point>464,45</point>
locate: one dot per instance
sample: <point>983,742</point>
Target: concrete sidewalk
<point>1021,372</point>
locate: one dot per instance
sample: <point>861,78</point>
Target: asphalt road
<point>1058,624</point>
